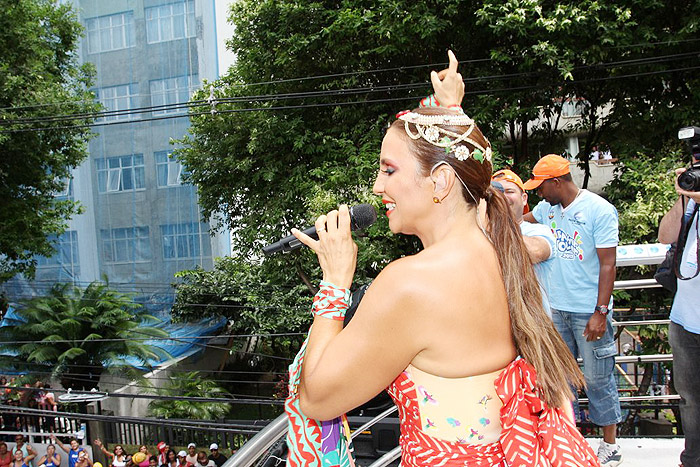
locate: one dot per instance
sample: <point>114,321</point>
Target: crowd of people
<point>34,396</point>
<point>475,345</point>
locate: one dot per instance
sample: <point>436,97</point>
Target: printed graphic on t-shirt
<point>568,246</point>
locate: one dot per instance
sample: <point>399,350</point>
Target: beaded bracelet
<point>331,301</point>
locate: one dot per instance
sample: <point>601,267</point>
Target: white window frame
<point>121,97</point>
<point>169,91</point>
<point>66,246</point>
<point>172,168</point>
<point>129,238</point>
<point>111,27</point>
<point>163,22</point>
<point>172,235</point>
<point>114,175</point>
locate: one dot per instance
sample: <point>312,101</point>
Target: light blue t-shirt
<point>543,269</point>
<point>588,223</point>
<point>686,304</point>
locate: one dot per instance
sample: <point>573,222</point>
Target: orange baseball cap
<point>550,166</point>
<point>510,176</point>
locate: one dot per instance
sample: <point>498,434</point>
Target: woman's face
<point>50,450</point>
<point>118,450</point>
<point>406,193</point>
<point>82,455</point>
<point>18,455</point>
<point>171,456</point>
<point>143,449</point>
<point>3,448</point>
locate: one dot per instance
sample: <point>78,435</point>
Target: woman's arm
<point>56,459</point>
<point>341,368</point>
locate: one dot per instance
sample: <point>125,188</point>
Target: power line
<point>338,104</point>
<point>332,93</point>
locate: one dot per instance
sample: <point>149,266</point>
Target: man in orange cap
<point>585,227</point>
<point>538,238</point>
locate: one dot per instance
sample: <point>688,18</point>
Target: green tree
<point>78,334</point>
<point>310,144</point>
<point>190,384</point>
<point>629,66</point>
<point>39,78</point>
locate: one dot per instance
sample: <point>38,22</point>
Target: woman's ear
<point>443,178</point>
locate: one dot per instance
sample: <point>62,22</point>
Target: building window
<point>66,246</point>
<point>112,32</point>
<point>182,240</point>
<point>171,21</point>
<point>171,91</point>
<point>125,245</point>
<point>122,173</point>
<point>169,170</point>
<point>572,108</point>
<point>119,98</point>
<point>66,191</point>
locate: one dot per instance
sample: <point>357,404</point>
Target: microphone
<point>361,217</point>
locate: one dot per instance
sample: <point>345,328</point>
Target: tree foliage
<point>190,384</point>
<point>77,334</point>
<point>298,118</point>
<point>39,78</point>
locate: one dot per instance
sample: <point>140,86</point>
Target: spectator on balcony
<point>83,459</point>
<point>27,451</point>
<point>192,453</point>
<point>48,402</point>
<point>684,330</point>
<point>595,153</point>
<point>117,458</point>
<point>73,452</point>
<point>203,460</point>
<point>170,459</point>
<point>5,455</point>
<point>51,458</point>
<point>216,456</point>
<point>182,460</point>
<point>146,459</point>
<point>21,460</point>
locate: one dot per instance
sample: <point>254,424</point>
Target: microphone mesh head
<point>362,216</point>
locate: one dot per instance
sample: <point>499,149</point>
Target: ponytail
<point>536,338</point>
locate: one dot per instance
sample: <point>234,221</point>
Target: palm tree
<point>190,384</point>
<point>77,334</point>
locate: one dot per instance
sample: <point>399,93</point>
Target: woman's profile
<point>456,332</point>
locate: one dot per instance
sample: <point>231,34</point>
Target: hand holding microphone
<point>331,240</point>
<point>361,217</point>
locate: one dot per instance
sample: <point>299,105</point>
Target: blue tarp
<point>187,338</point>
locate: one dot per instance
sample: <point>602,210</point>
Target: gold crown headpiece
<point>428,127</point>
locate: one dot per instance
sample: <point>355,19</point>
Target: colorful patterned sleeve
<point>317,443</point>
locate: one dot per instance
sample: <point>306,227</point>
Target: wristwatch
<point>602,309</point>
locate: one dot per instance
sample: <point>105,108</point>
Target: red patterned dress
<point>532,434</point>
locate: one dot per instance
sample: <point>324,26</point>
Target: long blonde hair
<point>536,339</point>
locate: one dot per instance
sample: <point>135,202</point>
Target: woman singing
<point>457,332</point>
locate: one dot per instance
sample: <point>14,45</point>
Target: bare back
<point>463,322</point>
